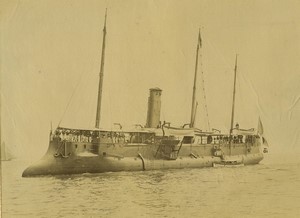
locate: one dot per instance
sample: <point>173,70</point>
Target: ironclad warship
<point>157,145</point>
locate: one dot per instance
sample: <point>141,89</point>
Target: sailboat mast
<point>233,101</point>
<point>98,113</point>
<point>193,110</point>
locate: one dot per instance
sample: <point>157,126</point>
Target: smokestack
<point>154,103</point>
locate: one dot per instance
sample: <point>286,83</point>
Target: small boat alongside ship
<point>157,145</point>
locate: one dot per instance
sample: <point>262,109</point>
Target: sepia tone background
<point>50,58</point>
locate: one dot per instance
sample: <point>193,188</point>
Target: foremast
<point>98,112</point>
<point>233,104</point>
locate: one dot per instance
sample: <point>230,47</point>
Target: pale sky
<point>51,50</point>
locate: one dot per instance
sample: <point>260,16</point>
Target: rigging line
<point>255,94</point>
<point>70,99</point>
<point>223,58</point>
<point>90,102</point>
<point>242,92</point>
<point>162,113</point>
<point>90,110</point>
<point>110,104</point>
<point>204,94</point>
<point>76,87</point>
<point>110,109</point>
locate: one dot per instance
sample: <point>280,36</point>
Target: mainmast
<point>98,113</point>
<point>233,102</point>
<point>193,110</point>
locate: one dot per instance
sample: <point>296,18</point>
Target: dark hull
<point>78,158</point>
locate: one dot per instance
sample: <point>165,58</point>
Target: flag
<point>260,132</point>
<point>199,39</point>
<point>265,142</point>
<point>260,129</point>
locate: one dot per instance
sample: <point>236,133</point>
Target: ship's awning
<point>168,131</point>
<point>179,132</point>
<point>244,132</point>
<point>136,130</point>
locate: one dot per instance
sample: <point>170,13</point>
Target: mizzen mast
<point>98,113</point>
<point>193,110</point>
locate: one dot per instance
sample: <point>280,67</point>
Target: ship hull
<point>84,158</point>
<point>53,166</point>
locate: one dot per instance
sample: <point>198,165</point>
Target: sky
<point>51,52</point>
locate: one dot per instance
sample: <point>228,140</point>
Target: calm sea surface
<point>269,189</point>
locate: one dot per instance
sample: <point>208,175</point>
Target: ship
<point>156,146</point>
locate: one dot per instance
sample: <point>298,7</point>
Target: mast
<point>233,102</point>
<point>98,113</point>
<point>193,110</point>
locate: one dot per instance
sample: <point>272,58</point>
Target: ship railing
<point>138,138</point>
<point>224,139</point>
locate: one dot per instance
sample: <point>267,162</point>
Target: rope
<point>70,99</point>
<point>204,95</point>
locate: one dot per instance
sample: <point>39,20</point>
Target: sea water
<point>268,189</point>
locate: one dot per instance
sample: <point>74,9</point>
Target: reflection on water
<point>269,189</point>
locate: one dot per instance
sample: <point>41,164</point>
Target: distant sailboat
<point>5,153</point>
